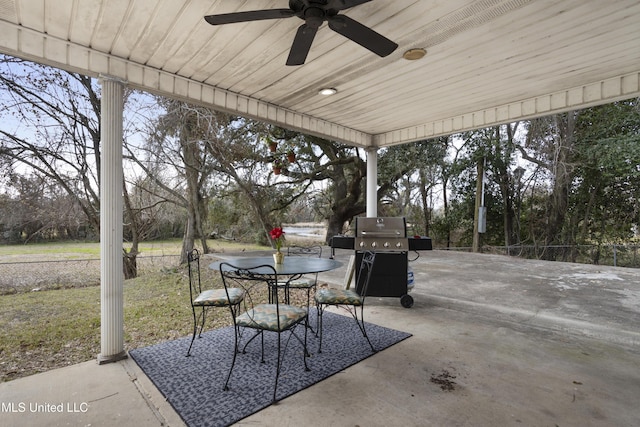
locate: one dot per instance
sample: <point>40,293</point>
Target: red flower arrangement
<point>277,235</point>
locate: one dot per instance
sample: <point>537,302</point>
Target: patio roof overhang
<point>487,61</point>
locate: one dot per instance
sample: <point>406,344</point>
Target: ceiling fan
<point>314,13</point>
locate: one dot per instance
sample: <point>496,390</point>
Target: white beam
<point>111,180</point>
<point>372,182</point>
<point>46,49</point>
<point>617,88</point>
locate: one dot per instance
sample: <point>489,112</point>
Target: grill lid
<point>381,234</point>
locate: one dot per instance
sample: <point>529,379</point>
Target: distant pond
<point>306,231</point>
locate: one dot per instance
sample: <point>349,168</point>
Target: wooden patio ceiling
<point>487,61</point>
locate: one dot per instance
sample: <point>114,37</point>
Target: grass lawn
<point>44,330</point>
<point>85,250</point>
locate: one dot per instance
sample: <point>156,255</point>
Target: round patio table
<point>293,267</point>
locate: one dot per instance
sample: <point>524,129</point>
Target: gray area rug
<point>193,385</point>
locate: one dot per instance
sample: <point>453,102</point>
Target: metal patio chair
<point>306,283</point>
<point>201,300</point>
<point>349,299</point>
<point>260,316</point>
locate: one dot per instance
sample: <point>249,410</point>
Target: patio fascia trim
<point>617,88</point>
<point>48,50</point>
<point>33,45</point>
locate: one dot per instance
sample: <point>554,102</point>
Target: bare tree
<point>501,165</point>
<point>51,127</point>
<point>175,142</point>
<point>553,139</point>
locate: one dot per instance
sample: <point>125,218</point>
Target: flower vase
<point>278,257</point>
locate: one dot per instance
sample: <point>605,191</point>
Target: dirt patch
<point>444,380</point>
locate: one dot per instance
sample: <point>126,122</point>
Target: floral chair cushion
<point>218,297</point>
<point>264,316</point>
<point>338,297</point>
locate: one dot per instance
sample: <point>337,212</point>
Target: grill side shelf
<point>342,242</point>
<point>415,244</point>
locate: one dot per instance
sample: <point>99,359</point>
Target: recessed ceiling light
<point>328,91</point>
<point>413,54</point>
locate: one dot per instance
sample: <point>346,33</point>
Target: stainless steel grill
<point>387,236</point>
<point>381,234</point>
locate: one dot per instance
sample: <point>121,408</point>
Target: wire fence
<point>617,255</point>
<point>40,275</point>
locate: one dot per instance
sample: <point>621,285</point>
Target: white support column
<point>111,179</point>
<point>372,182</point>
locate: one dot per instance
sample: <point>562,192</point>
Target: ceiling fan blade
<point>363,35</point>
<point>301,45</point>
<point>252,15</point>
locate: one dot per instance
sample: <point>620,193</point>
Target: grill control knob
<point>399,245</point>
<point>374,244</point>
<point>362,244</point>
<point>387,244</point>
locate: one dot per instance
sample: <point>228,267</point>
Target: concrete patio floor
<point>497,341</point>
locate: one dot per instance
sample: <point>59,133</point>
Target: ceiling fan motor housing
<point>313,16</point>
